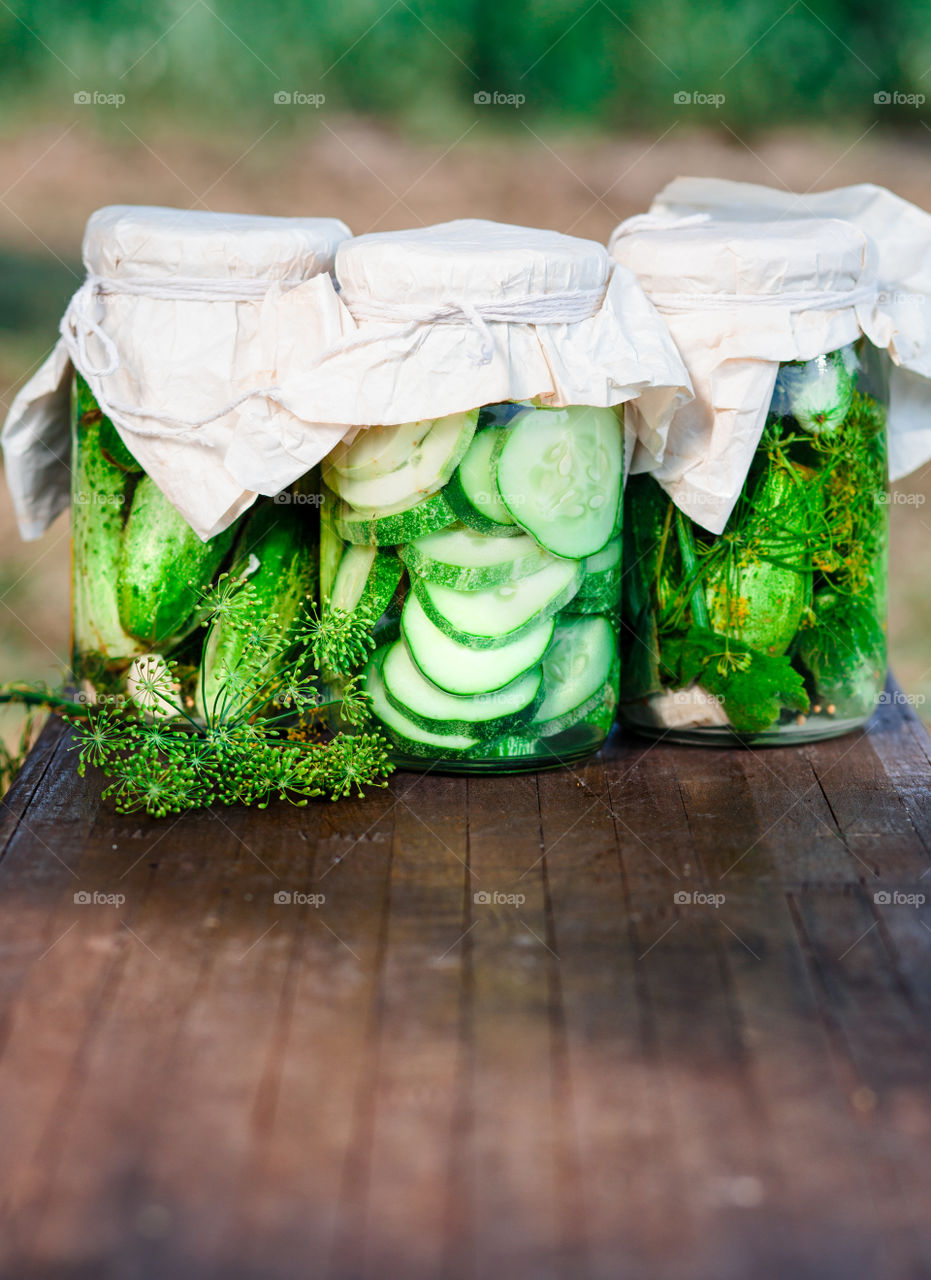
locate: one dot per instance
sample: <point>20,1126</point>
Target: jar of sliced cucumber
<point>486,548</point>
<point>493,380</point>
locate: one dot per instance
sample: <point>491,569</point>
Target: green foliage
<point>754,687</point>
<point>261,738</point>
<point>421,63</point>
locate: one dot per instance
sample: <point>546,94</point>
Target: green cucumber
<point>473,492</point>
<point>100,494</point>
<point>163,567</point>
<point>466,560</point>
<point>424,471</point>
<point>406,736</point>
<point>462,670</point>
<point>375,451</point>
<point>507,747</point>
<point>580,671</point>
<point>386,528</point>
<point>276,536</point>
<point>366,577</point>
<point>331,545</point>
<point>488,714</point>
<point>498,615</point>
<point>559,473</point>
<point>600,591</point>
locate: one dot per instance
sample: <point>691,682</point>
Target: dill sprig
<point>261,736</point>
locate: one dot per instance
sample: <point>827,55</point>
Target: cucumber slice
<point>459,669</point>
<point>407,736</point>
<point>473,492</point>
<point>331,546</point>
<point>601,587</point>
<point>388,528</point>
<point>559,473</point>
<point>508,747</point>
<point>488,714</point>
<point>377,450</point>
<point>579,674</point>
<point>497,615</point>
<point>425,470</point>
<point>466,560</point>
<point>366,577</point>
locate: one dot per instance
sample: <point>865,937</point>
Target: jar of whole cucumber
<point>485,548</point>
<point>141,576</point>
<point>774,629</point>
<point>755,580</point>
<point>475,521</point>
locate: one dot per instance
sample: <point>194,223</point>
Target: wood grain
<point>665,1014</point>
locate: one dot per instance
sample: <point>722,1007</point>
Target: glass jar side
<point>775,630</point>
<point>485,548</point>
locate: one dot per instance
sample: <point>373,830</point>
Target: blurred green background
<point>394,114</point>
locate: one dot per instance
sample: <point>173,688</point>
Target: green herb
<point>262,737</point>
<point>754,687</point>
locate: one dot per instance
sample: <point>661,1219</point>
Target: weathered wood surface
<point>602,1079</point>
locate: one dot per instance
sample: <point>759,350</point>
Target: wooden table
<point>695,1044</point>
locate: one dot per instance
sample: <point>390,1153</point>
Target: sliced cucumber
<point>473,493</point>
<point>466,560</point>
<point>508,747</point>
<point>424,471</point>
<point>559,473</point>
<point>579,674</point>
<point>388,528</point>
<point>366,577</point>
<point>462,670</point>
<point>498,615</point>
<point>377,450</point>
<point>331,545</point>
<point>488,714</point>
<point>601,587</point>
<point>407,736</point>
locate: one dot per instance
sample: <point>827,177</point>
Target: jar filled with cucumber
<point>142,578</point>
<point>485,549</point>
<point>775,629</point>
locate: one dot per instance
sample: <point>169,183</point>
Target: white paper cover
<point>438,320</point>
<point>741,296</point>
<point>899,320</point>
<point>175,330</point>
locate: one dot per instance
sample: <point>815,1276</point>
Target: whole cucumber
<point>751,597</point>
<point>277,537</point>
<point>100,495</point>
<point>163,568</point>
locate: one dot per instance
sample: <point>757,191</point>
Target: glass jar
<point>773,631</point>
<point>485,550</point>
<point>140,572</point>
